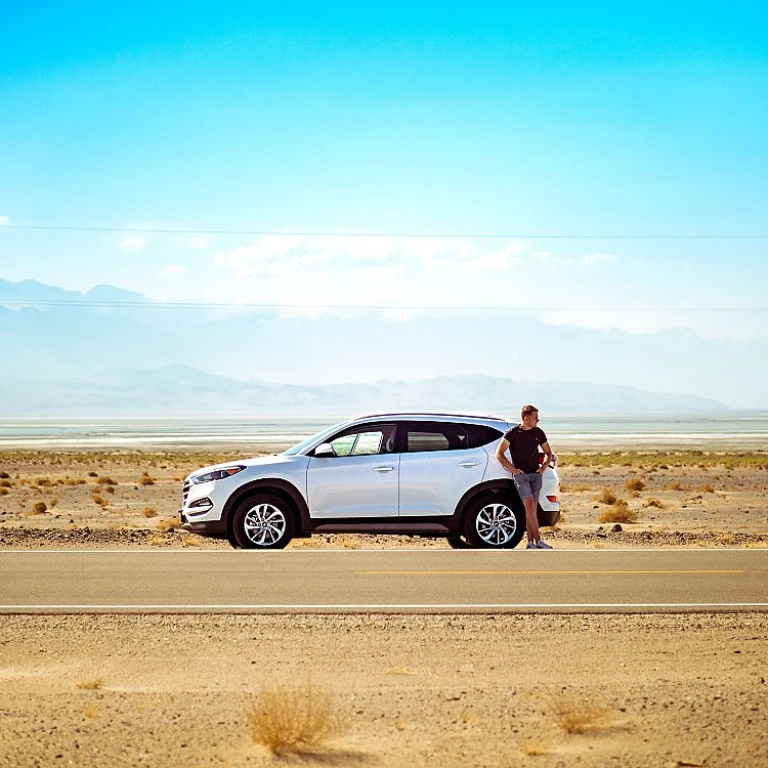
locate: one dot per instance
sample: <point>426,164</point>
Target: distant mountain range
<point>110,351</point>
<point>183,391</point>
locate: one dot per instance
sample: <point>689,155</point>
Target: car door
<point>436,467</point>
<point>360,480</point>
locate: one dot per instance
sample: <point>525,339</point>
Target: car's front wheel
<point>492,523</point>
<point>263,522</point>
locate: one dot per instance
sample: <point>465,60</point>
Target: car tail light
<point>552,499</point>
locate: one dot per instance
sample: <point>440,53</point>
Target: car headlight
<point>217,474</point>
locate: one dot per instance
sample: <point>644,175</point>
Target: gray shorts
<point>528,485</point>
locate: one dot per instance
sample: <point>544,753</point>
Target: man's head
<point>530,416</point>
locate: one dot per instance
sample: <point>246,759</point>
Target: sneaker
<point>531,545</point>
<point>543,545</point>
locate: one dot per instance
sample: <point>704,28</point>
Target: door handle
<point>383,469</point>
<point>469,464</point>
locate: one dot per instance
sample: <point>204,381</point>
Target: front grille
<point>185,492</point>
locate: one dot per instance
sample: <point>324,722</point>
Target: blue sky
<point>566,119</point>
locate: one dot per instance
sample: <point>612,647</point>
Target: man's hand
<point>516,471</point>
<point>541,469</point>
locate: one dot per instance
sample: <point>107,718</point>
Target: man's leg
<point>531,520</point>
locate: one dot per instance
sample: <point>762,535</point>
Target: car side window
<point>365,443</point>
<point>435,436</point>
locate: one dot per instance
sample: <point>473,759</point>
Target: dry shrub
<point>618,513</point>
<point>100,500</point>
<point>89,711</point>
<point>654,502</point>
<point>6,484</point>
<point>90,684</point>
<point>606,496</point>
<point>707,488</point>
<point>726,538</point>
<point>4,475</point>
<point>534,749</point>
<point>294,721</point>
<point>42,482</point>
<point>145,479</point>
<point>578,715</point>
<point>39,508</point>
<point>3,491</point>
<point>578,489</point>
<point>172,524</point>
<point>149,512</point>
<point>676,486</point>
<point>93,474</point>
<point>104,480</point>
<point>635,485</point>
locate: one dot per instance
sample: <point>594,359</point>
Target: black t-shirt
<point>524,447</point>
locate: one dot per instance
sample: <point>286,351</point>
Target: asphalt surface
<point>376,580</point>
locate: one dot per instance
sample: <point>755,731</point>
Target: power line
<point>402,235</point>
<point>355,307</point>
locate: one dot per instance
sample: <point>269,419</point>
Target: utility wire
<point>357,307</point>
<point>403,235</point>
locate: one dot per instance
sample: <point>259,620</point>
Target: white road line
<point>367,606</point>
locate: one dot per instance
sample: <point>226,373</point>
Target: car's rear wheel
<point>492,523</point>
<point>263,522</point>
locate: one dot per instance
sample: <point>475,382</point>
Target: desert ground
<point>663,691</point>
<point>127,499</point>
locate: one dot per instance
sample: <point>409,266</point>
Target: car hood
<point>258,461</point>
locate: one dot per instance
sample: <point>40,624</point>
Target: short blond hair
<point>527,410</point>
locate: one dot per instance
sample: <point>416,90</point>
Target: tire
<point>493,522</point>
<point>232,540</point>
<point>457,542</point>
<point>263,522</point>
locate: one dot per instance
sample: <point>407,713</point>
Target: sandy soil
<point>130,499</point>
<point>439,691</point>
<point>659,691</point>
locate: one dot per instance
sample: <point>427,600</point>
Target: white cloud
<point>5,220</point>
<point>174,269</point>
<point>132,243</point>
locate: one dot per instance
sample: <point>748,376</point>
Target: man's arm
<point>501,455</point>
<point>547,458</point>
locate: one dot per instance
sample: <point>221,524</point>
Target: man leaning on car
<point>523,441</point>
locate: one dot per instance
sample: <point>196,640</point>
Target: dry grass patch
<point>104,480</point>
<point>606,496</point>
<point>294,721</point>
<point>618,513</point>
<point>98,499</point>
<point>635,485</point>
<point>91,684</point>
<point>6,484</point>
<point>90,711</point>
<point>654,502</point>
<point>39,508</point>
<point>676,486</point>
<point>146,479</point>
<point>579,715</point>
<point>149,512</point>
<point>707,488</point>
<point>534,749</point>
<point>173,524</point>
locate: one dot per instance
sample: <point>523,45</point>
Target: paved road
<point>422,581</point>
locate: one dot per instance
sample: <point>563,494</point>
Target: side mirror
<point>324,451</point>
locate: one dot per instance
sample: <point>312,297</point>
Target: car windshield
<point>299,447</point>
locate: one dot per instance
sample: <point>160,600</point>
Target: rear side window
<point>434,436</point>
<point>479,434</point>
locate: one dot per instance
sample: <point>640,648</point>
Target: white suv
<point>432,475</point>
